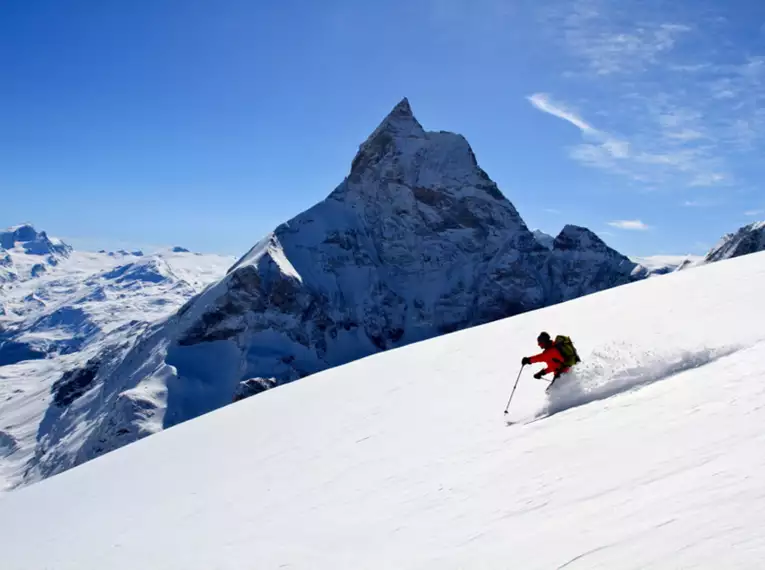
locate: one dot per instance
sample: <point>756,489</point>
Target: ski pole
<point>514,387</point>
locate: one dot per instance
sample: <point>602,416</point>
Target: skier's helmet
<point>543,340</point>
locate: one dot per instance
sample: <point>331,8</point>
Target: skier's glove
<point>539,374</point>
<point>526,360</point>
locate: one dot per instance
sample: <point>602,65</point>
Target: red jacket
<point>553,358</point>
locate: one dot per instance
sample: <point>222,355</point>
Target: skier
<point>559,356</point>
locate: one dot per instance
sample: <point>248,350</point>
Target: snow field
<point>651,459</point>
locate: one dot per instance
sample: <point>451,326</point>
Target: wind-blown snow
<point>652,457</point>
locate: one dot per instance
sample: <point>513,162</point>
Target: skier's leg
<point>555,377</point>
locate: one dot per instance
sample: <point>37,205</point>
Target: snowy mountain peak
<point>388,139</point>
<point>150,270</point>
<point>20,233</point>
<point>748,239</point>
<point>30,241</point>
<point>401,160</point>
<point>400,121</point>
<point>578,238</point>
<point>26,253</point>
<point>581,263</point>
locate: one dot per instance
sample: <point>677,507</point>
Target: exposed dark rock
<point>74,384</point>
<point>252,386</point>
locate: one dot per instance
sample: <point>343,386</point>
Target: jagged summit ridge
<point>400,122</point>
<point>401,152</point>
<point>581,263</point>
<point>578,238</point>
<point>748,239</point>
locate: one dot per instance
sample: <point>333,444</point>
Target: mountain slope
<point>580,263</point>
<point>59,326</point>
<point>545,240</point>
<point>403,460</point>
<point>417,241</point>
<point>748,239</point>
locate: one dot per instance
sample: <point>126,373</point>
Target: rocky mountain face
<point>581,263</point>
<point>26,253</point>
<point>748,239</point>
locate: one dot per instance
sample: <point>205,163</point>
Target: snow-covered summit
<point>149,270</point>
<point>748,239</point>
<point>27,239</point>
<point>400,153</point>
<point>26,253</point>
<point>400,124</point>
<point>581,263</point>
<point>582,240</point>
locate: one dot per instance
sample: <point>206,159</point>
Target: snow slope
<point>651,457</point>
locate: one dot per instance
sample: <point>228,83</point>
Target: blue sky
<point>206,124</point>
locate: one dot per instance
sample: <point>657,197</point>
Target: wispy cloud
<point>629,225</point>
<point>664,157</point>
<point>543,102</point>
<point>754,212</point>
<point>600,150</point>
<point>609,42</point>
<point>701,203</point>
<point>708,179</point>
<point>682,98</point>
